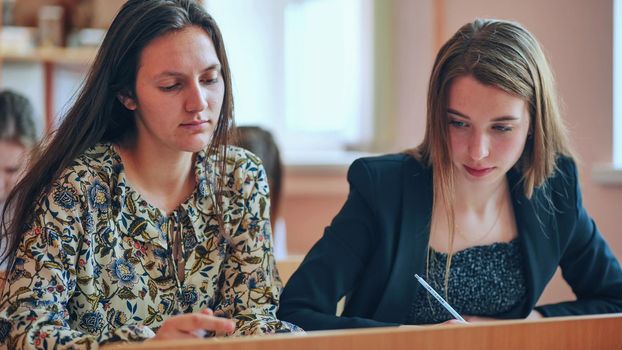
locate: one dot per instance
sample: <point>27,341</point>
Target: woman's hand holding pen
<point>533,315</point>
<point>194,325</point>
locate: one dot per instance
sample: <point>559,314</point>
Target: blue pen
<point>440,299</point>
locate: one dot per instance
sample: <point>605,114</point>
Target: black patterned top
<point>483,281</point>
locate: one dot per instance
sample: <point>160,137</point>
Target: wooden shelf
<point>53,55</point>
<point>49,58</point>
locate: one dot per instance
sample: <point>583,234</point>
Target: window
<point>617,84</point>
<point>301,68</point>
<point>611,174</point>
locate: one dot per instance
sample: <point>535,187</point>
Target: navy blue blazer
<point>379,240</point>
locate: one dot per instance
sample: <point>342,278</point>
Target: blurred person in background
<point>18,135</point>
<point>261,142</point>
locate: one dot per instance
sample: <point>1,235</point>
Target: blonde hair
<point>505,55</point>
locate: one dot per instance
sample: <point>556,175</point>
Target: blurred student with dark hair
<point>18,135</point>
<point>261,142</point>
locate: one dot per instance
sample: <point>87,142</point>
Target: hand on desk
<point>533,315</point>
<point>194,325</point>
<point>188,326</point>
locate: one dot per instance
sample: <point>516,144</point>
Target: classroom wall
<point>576,35</point>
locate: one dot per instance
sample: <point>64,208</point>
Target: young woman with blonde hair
<point>486,208</point>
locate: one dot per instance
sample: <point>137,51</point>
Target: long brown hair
<point>505,55</point>
<point>98,115</point>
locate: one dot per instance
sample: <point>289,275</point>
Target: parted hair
<point>504,55</point>
<point>99,116</point>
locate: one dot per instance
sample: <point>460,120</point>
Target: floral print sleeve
<point>34,304</point>
<point>100,264</point>
<point>249,284</point>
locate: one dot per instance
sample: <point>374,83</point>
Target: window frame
<point>295,144</point>
<point>611,173</point>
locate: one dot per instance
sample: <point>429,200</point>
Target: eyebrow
<point>169,73</point>
<point>502,118</point>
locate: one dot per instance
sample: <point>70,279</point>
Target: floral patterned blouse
<point>100,264</point>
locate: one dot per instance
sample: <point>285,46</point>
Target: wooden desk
<point>55,55</point>
<point>584,332</point>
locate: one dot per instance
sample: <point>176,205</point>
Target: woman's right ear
<point>127,101</point>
